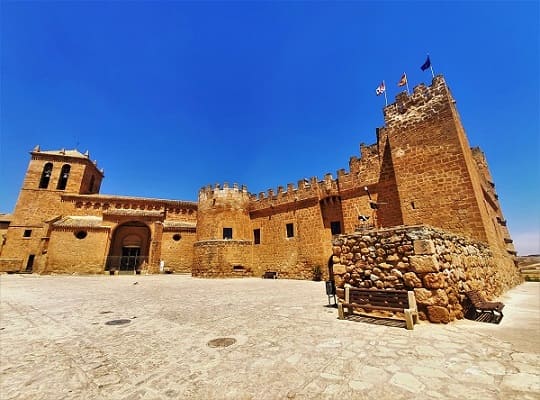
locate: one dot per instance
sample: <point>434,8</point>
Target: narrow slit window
<point>256,236</point>
<point>92,181</point>
<point>290,230</point>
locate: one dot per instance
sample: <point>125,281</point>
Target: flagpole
<point>432,73</point>
<point>385,99</point>
<point>406,82</point>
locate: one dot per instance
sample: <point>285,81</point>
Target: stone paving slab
<point>56,343</point>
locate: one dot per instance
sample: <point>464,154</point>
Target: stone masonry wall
<point>222,259</point>
<point>68,254</point>
<point>292,257</point>
<point>177,250</point>
<point>439,267</point>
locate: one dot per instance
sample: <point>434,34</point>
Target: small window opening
<point>64,175</point>
<point>413,206</point>
<point>239,268</point>
<point>256,236</point>
<point>227,233</point>
<point>335,227</point>
<point>46,176</point>
<point>80,234</point>
<point>290,230</point>
<point>176,237</point>
<point>27,233</point>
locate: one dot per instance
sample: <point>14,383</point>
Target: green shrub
<point>317,273</point>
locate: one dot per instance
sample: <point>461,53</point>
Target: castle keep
<point>420,172</point>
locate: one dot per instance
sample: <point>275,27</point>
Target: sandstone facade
<point>421,170</point>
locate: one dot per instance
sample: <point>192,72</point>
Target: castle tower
<point>223,246</point>
<point>438,180</point>
<point>50,175</point>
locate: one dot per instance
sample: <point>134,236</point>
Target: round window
<point>81,234</point>
<point>176,237</point>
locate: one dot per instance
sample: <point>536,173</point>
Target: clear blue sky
<point>171,96</point>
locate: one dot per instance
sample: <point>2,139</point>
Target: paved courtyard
<point>153,337</point>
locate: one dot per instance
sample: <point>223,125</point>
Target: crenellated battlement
<point>305,189</point>
<point>363,170</point>
<point>224,191</point>
<point>412,108</point>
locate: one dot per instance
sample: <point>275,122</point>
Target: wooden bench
<point>270,275</point>
<point>486,311</point>
<point>380,299</point>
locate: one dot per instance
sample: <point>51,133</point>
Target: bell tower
<point>50,174</point>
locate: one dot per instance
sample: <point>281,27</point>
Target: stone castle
<point>420,172</point>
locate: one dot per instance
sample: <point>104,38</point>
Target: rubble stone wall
<point>439,266</point>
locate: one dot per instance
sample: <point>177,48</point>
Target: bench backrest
<point>475,297</point>
<point>379,298</point>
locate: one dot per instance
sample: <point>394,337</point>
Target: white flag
<point>380,89</point>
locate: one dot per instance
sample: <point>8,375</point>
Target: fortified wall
<point>420,171</point>
<point>438,266</point>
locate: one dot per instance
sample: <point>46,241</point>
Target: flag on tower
<point>403,80</point>
<point>380,89</point>
<point>426,65</point>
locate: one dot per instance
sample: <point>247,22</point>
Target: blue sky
<point>171,96</point>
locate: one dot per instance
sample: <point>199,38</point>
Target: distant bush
<point>317,273</point>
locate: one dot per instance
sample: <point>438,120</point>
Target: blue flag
<point>426,65</point>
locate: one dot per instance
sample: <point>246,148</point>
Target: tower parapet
<point>223,232</point>
<point>220,207</point>
<point>409,110</point>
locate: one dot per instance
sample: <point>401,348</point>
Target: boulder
<point>438,314</point>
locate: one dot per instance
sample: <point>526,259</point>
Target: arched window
<point>45,176</point>
<point>64,175</point>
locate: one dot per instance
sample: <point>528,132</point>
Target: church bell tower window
<point>45,176</point>
<point>64,175</point>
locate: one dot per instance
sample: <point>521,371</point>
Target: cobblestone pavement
<point>56,343</point>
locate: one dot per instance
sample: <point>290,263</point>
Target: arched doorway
<point>129,247</point>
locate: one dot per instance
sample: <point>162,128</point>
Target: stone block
<point>392,258</point>
<point>434,281</point>
<point>424,264</point>
<point>412,280</point>
<point>423,247</point>
<point>438,314</point>
<point>385,266</point>
<point>339,269</point>
<point>428,297</point>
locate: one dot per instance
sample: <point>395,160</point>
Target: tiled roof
<point>6,217</point>
<point>69,153</point>
<point>111,198</point>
